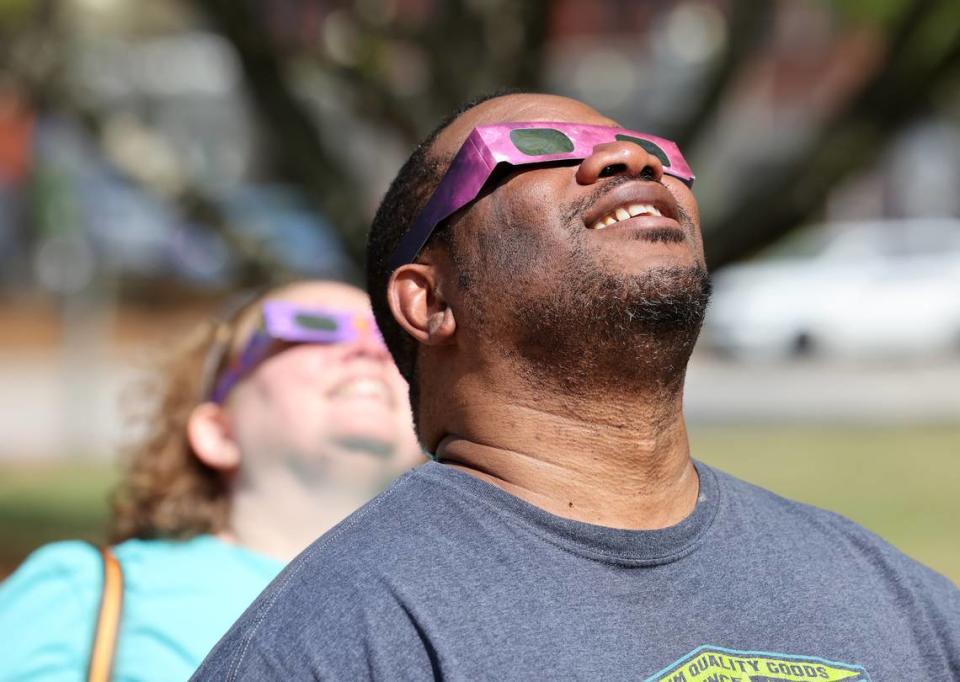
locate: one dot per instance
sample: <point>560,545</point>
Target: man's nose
<point>619,158</point>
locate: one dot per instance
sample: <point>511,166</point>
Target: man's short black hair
<point>408,194</point>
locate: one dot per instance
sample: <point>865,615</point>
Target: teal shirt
<point>179,598</point>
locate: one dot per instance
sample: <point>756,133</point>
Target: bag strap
<point>108,621</point>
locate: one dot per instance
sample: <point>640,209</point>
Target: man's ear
<point>418,304</point>
<point>210,439</point>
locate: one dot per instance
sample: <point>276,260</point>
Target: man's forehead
<point>511,108</point>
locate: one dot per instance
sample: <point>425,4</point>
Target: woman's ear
<point>210,439</point>
<point>418,304</point>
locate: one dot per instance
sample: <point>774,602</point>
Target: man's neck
<point>618,461</point>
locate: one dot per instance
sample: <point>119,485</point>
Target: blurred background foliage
<point>314,104</point>
<point>156,155</point>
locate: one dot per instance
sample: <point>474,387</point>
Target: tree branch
<point>749,21</point>
<point>895,95</point>
<point>293,134</point>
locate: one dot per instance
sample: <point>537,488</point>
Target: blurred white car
<point>887,288</point>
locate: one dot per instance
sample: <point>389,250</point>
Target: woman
<point>269,429</point>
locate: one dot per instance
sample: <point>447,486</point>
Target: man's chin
<point>671,297</point>
<point>607,328</point>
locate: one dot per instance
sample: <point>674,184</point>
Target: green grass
<point>41,503</point>
<point>901,482</point>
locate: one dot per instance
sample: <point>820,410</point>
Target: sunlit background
<point>155,156</point>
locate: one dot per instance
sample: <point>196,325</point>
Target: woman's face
<point>332,412</point>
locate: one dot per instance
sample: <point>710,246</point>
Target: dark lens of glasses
<point>540,141</point>
<point>318,322</point>
<point>649,146</point>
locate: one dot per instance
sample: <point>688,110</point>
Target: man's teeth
<point>624,213</point>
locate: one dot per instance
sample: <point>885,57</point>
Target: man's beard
<point>591,329</point>
<point>605,331</point>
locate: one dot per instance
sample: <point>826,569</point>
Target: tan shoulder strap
<point>108,621</point>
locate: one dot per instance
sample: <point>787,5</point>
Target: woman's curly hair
<point>166,491</point>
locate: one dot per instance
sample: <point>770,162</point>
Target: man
<point>538,274</point>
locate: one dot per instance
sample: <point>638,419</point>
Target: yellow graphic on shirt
<point>715,664</point>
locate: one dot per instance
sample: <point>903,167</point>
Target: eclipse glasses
<point>287,322</point>
<point>521,144</point>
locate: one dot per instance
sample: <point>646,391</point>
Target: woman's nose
<point>371,345</point>
<point>619,158</point>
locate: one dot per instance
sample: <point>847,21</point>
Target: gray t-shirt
<point>446,576</point>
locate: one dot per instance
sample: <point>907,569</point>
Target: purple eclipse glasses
<point>521,144</point>
<point>290,323</point>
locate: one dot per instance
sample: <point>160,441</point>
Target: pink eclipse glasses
<point>286,322</point>
<point>521,144</point>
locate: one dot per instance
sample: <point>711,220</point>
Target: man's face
<point>333,411</point>
<point>542,280</point>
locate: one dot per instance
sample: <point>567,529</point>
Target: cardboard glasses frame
<point>520,144</point>
<point>292,323</point>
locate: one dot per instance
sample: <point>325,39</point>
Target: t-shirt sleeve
<point>937,623</point>
<point>349,627</point>
<point>47,613</point>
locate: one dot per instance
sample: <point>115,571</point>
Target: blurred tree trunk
<point>898,92</point>
<point>461,63</point>
<point>292,132</point>
<point>749,25</point>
